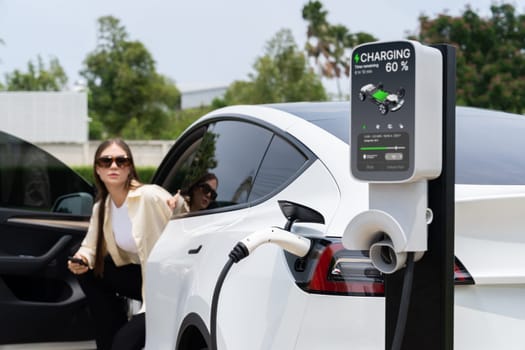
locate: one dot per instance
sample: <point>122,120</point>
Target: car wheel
<point>401,92</point>
<point>362,96</point>
<point>383,109</point>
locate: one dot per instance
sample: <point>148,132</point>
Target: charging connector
<point>295,244</point>
<point>290,242</point>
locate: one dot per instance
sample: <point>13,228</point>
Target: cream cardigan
<point>149,214</point>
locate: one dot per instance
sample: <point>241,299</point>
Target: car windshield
<point>489,144</point>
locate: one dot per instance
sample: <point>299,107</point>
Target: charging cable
<point>290,242</point>
<point>399,333</point>
<point>300,246</point>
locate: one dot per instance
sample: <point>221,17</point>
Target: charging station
<point>402,143</point>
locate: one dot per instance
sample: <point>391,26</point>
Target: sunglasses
<point>106,161</point>
<point>207,190</point>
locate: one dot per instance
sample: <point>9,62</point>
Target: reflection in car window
<point>31,178</point>
<point>489,147</point>
<point>233,151</point>
<point>280,163</point>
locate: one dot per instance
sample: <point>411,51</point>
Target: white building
<point>193,96</point>
<point>45,116</point>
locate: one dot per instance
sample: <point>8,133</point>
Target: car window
<point>281,162</point>
<point>231,150</point>
<point>32,179</point>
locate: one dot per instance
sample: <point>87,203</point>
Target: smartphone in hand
<point>76,260</point>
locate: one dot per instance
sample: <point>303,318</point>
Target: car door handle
<point>26,264</point>
<point>195,250</point>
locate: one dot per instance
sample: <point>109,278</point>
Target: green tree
<point>128,97</point>
<point>37,77</point>
<point>490,55</point>
<point>330,45</point>
<point>281,75</point>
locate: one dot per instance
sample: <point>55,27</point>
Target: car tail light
<point>329,268</point>
<point>461,275</point>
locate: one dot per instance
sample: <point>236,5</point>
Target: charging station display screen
<point>382,111</point>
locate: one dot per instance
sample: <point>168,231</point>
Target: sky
<point>198,42</point>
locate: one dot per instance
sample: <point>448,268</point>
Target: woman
<point>128,218</point>
<point>197,196</point>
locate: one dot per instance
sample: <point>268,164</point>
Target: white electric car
<point>295,156</point>
<point>268,159</point>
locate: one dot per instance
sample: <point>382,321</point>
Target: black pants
<point>106,297</point>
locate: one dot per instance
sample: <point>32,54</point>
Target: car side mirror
<point>79,203</point>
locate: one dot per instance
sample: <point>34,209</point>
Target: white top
<point>121,224</point>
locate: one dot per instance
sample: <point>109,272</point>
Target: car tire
<point>383,109</point>
<point>362,96</point>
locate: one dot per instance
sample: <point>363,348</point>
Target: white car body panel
<point>490,240</point>
<point>493,224</point>
<point>489,317</point>
<point>341,322</point>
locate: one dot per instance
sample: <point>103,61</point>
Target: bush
<point>86,171</point>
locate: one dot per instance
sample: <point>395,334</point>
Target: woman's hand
<point>78,267</point>
<point>172,202</point>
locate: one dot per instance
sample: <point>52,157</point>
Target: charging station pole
<point>430,320</point>
<point>402,142</point>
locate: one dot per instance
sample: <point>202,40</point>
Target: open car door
<point>44,214</point>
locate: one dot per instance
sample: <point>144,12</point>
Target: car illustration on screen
<point>385,101</point>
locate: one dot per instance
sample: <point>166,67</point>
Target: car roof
<point>489,143</point>
<point>333,117</point>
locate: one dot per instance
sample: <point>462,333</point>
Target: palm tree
<point>328,44</point>
<point>317,44</point>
